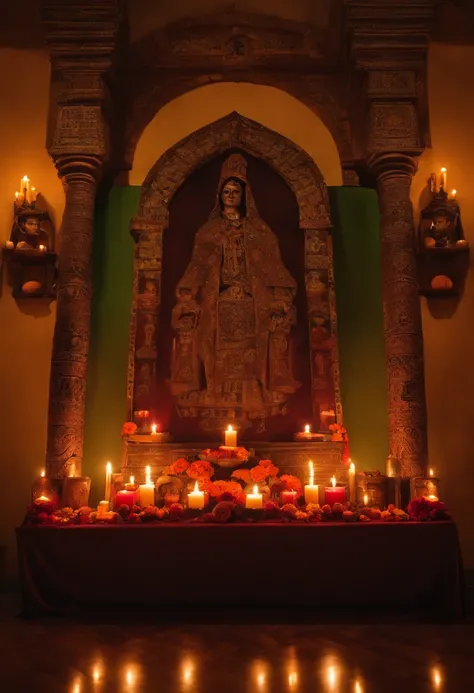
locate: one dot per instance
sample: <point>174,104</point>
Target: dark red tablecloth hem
<point>385,567</point>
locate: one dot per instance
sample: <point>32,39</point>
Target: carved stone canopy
<point>235,131</point>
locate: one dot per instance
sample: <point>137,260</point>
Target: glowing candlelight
<point>146,491</point>
<point>311,490</point>
<point>230,437</point>
<point>307,429</point>
<point>352,485</point>
<point>72,470</point>
<point>254,500</point>
<point>454,193</point>
<point>33,195</point>
<point>443,179</point>
<point>108,480</point>
<point>42,248</point>
<point>42,473</point>
<point>132,480</point>
<point>366,499</point>
<point>431,472</point>
<point>154,429</point>
<point>196,498</point>
<point>333,481</point>
<point>433,498</point>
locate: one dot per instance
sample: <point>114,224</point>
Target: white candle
<point>254,500</point>
<point>103,507</point>
<point>196,498</point>
<point>311,490</point>
<point>230,437</point>
<point>352,484</point>
<point>108,480</point>
<point>147,494</point>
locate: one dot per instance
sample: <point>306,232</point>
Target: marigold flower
<point>129,428</point>
<point>242,474</point>
<point>179,466</point>
<point>258,474</point>
<point>291,483</point>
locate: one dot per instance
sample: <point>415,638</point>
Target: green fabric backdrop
<point>358,291</point>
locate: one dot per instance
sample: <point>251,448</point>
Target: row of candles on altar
<point>144,494</point>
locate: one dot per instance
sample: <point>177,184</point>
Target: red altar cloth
<point>399,567</point>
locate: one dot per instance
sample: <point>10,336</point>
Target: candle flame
<point>431,472</point>
<point>196,487</point>
<point>255,490</point>
<point>453,192</point>
<point>437,678</point>
<point>366,499</point>
<point>311,472</point>
<point>108,467</point>
<point>154,428</point>
<point>43,498</point>
<point>148,474</point>
<point>17,195</point>
<point>352,467</point>
<point>230,429</point>
<point>358,687</point>
<point>444,170</point>
<point>132,479</point>
<point>432,498</point>
<point>333,481</point>
<point>307,428</point>
<point>42,473</point>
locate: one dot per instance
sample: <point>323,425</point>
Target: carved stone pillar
<point>72,329</point>
<point>402,313</point>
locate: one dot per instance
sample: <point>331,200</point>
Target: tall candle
<point>334,494</point>
<point>108,480</point>
<point>146,494</point>
<point>311,490</point>
<point>254,500</point>
<point>352,484</point>
<point>196,498</point>
<point>230,437</point>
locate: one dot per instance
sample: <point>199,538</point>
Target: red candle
<point>288,497</point>
<point>335,494</point>
<point>125,497</point>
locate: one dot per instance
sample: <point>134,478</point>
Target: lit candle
<point>307,431</point>
<point>108,480</point>
<point>196,498</point>
<point>33,195</point>
<point>24,184</point>
<point>453,193</point>
<point>72,470</point>
<point>334,494</point>
<point>126,496</point>
<point>443,179</point>
<point>311,490</point>
<point>146,491</point>
<point>352,484</point>
<point>102,508</point>
<point>154,429</point>
<point>230,437</point>
<point>42,248</point>
<point>17,198</point>
<point>366,499</point>
<point>431,472</point>
<point>288,497</point>
<point>433,498</point>
<point>254,500</point>
<point>42,473</point>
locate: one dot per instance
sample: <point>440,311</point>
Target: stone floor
<point>227,656</point>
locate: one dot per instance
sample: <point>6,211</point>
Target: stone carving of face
<point>231,194</point>
<point>31,226</point>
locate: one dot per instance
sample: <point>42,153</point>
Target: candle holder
<point>375,485</point>
<point>76,491</point>
<point>443,252</point>
<point>30,251</point>
<point>42,486</point>
<point>424,487</point>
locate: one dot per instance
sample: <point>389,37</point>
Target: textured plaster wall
<point>449,328</point>
<point>25,329</point>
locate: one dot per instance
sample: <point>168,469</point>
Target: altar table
<point>386,567</point>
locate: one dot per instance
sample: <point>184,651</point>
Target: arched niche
<point>304,179</point>
<point>272,107</point>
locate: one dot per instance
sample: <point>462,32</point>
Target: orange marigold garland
<point>129,429</point>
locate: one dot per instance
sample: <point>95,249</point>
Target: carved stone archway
<point>305,180</point>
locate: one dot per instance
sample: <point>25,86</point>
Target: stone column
<point>72,329</point>
<point>402,312</point>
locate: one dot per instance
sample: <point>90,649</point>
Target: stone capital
<point>387,165</point>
